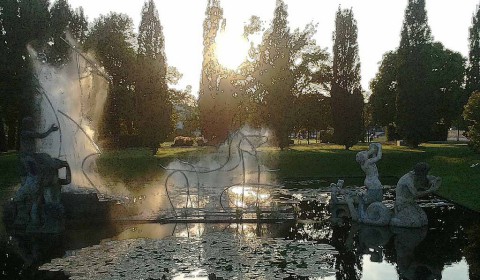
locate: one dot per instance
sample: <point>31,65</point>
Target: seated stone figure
<point>414,184</point>
<point>38,199</point>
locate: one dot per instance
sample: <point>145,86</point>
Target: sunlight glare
<point>231,50</point>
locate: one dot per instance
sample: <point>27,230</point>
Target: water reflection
<point>449,246</point>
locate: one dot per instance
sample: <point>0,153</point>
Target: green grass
<point>452,162</point>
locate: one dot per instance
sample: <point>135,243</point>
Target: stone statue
<point>367,160</point>
<point>38,199</point>
<point>375,214</point>
<point>414,184</point>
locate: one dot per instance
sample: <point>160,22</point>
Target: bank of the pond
<point>455,163</point>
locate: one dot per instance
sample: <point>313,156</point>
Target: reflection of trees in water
<point>472,251</point>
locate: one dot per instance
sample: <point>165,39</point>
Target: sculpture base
<point>75,209</point>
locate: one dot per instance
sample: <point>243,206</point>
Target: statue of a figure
<point>367,160</point>
<point>370,209</point>
<point>414,184</point>
<point>38,199</point>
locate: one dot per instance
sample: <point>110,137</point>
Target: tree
<point>275,77</point>
<point>472,80</point>
<point>346,92</point>
<point>445,80</point>
<point>216,102</point>
<point>312,113</point>
<point>384,94</point>
<point>79,25</point>
<point>154,106</point>
<point>61,15</point>
<point>111,38</point>
<point>471,114</point>
<point>415,109</point>
<point>473,67</point>
<point>22,23</point>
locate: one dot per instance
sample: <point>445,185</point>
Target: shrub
<point>472,115</point>
<point>201,141</point>
<point>181,141</point>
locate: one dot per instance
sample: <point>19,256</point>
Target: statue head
<point>420,170</point>
<point>362,156</point>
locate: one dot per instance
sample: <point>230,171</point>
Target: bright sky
<point>379,24</point>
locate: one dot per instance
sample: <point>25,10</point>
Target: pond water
<point>312,247</point>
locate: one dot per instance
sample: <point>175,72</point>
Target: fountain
<point>223,216</point>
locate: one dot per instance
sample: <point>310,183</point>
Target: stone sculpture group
<point>368,208</point>
<point>37,202</point>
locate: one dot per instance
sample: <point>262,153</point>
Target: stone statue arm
<point>376,150</point>
<point>42,134</point>
<point>435,183</point>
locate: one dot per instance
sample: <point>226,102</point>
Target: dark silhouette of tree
<point>415,109</point>
<point>346,92</point>
<point>61,15</point>
<point>417,90</point>
<point>472,81</point>
<point>111,38</point>
<point>275,78</point>
<point>446,79</point>
<point>217,97</point>
<point>384,94</point>
<point>473,67</point>
<point>22,23</point>
<point>79,25</point>
<point>153,104</point>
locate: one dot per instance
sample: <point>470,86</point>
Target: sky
<point>379,24</point>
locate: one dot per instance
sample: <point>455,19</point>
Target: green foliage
<point>275,77</point>
<point>415,109</point>
<point>111,38</point>
<point>186,112</point>
<point>22,23</point>
<point>418,88</point>
<point>217,102</point>
<point>79,25</point>
<point>473,68</point>
<point>471,115</point>
<point>154,109</point>
<point>445,81</point>
<point>384,91</point>
<point>61,15</point>
<point>346,92</point>
<point>312,112</point>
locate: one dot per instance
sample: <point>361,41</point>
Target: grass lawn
<point>455,163</point>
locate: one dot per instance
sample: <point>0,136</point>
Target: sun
<point>231,50</point>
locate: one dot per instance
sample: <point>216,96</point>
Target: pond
<point>314,246</point>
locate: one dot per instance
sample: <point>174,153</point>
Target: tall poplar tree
<point>215,96</point>
<point>153,104</point>
<point>112,38</point>
<point>415,104</point>
<point>346,92</point>
<point>473,67</point>
<point>276,78</point>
